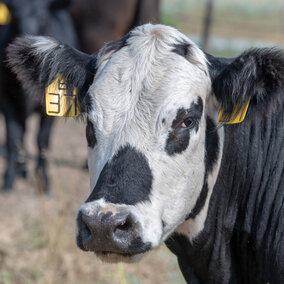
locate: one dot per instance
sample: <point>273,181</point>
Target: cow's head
<point>153,146</point>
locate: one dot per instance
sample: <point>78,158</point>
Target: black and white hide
<point>161,169</point>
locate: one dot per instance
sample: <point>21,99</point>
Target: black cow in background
<point>36,17</point>
<point>98,22</point>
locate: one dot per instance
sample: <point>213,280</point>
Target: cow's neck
<point>249,175</point>
<point>193,226</point>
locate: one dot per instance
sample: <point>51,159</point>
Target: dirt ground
<point>37,234</point>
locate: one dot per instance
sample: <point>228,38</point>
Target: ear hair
<point>37,60</point>
<point>258,74</point>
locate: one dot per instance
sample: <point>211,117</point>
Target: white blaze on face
<point>136,95</point>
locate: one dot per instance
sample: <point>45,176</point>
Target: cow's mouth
<point>114,257</point>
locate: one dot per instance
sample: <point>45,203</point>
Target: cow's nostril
<point>124,225</point>
<point>84,233</point>
<point>106,232</point>
<point>86,230</point>
<point>83,226</point>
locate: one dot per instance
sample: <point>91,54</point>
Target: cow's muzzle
<point>107,232</point>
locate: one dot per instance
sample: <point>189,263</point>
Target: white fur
<point>134,89</point>
<point>43,44</point>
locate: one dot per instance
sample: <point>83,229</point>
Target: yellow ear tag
<point>5,16</point>
<point>59,102</point>
<point>237,116</point>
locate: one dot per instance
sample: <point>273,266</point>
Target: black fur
<point>126,179</point>
<point>115,45</point>
<point>90,134</point>
<point>257,73</point>
<point>211,145</point>
<point>84,96</point>
<point>178,138</point>
<point>243,237</point>
<point>216,65</point>
<point>37,70</point>
<point>182,49</point>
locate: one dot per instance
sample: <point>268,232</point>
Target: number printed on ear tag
<point>237,116</point>
<point>59,102</point>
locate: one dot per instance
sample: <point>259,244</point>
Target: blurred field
<point>260,21</point>
<point>37,234</point>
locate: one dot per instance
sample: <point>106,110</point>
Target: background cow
<point>160,168</point>
<point>37,17</point>
<point>95,22</point>
<point>98,22</point>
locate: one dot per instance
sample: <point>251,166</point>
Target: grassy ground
<point>37,234</point>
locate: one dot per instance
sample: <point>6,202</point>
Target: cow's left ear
<point>257,74</point>
<point>40,62</point>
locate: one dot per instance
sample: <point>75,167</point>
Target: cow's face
<point>146,111</point>
<point>153,147</point>
<point>146,136</point>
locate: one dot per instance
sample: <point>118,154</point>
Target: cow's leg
<point>42,162</point>
<point>15,130</point>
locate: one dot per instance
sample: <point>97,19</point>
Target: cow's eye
<point>187,123</point>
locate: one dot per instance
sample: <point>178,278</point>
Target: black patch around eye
<point>126,179</point>
<point>177,141</point>
<point>90,134</point>
<point>178,138</point>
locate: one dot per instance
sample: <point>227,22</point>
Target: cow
<point>98,22</point>
<point>32,17</point>
<point>162,168</point>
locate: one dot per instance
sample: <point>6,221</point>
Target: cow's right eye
<point>187,123</point>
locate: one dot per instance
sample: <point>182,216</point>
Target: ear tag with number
<point>59,102</point>
<point>237,116</point>
<point>5,16</point>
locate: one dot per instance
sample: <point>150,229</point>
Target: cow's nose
<point>106,232</point>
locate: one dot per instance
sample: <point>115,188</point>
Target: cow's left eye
<point>187,123</point>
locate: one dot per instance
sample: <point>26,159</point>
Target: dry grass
<point>260,20</point>
<point>37,234</point>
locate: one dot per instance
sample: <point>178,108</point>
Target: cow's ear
<point>257,75</point>
<point>38,61</point>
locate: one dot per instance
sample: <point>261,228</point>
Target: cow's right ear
<point>37,61</point>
